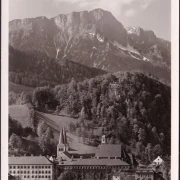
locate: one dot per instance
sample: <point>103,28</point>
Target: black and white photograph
<point>89,90</point>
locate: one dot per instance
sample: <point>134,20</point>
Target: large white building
<point>31,168</point>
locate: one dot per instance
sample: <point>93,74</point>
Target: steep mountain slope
<point>152,48</point>
<point>36,69</point>
<point>96,39</point>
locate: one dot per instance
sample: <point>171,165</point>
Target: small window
<point>32,167</point>
<point>10,172</point>
<point>42,167</point>
<point>17,172</point>
<point>39,171</point>
<point>46,172</point>
<point>24,176</point>
<point>32,172</point>
<point>32,176</point>
<point>42,172</point>
<point>18,167</point>
<point>28,167</point>
<point>49,171</point>
<point>21,167</point>
<point>35,176</point>
<point>45,176</point>
<point>27,172</point>
<point>14,172</point>
<point>39,176</point>
<point>24,167</point>
<point>27,176</point>
<point>14,167</point>
<point>10,167</point>
<point>24,172</point>
<point>39,167</point>
<point>49,176</point>
<point>42,176</point>
<point>21,172</point>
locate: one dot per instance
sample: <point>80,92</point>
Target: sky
<point>148,14</point>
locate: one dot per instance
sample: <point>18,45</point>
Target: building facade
<point>100,164</point>
<point>31,168</point>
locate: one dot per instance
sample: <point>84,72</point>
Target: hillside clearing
<point>17,88</point>
<point>21,114</point>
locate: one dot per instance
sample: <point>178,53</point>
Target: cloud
<point>130,12</point>
<point>115,6</point>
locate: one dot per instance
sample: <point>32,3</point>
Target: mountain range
<point>95,39</point>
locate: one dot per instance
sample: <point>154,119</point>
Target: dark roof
<point>29,160</point>
<point>96,162</point>
<point>109,150</point>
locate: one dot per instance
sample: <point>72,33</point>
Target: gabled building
<point>102,163</point>
<point>31,168</point>
<point>158,161</point>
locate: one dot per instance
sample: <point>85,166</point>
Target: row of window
<point>37,176</point>
<point>28,172</point>
<point>28,167</point>
<point>144,175</point>
<point>96,167</point>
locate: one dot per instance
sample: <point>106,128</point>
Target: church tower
<point>62,145</point>
<point>103,140</point>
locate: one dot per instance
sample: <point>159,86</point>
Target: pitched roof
<point>65,138</point>
<point>109,150</point>
<point>29,160</point>
<point>96,162</point>
<point>61,137</point>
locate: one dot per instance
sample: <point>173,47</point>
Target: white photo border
<point>174,89</point>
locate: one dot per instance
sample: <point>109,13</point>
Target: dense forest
<point>37,69</point>
<point>131,107</point>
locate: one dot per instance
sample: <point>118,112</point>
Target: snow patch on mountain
<point>99,38</point>
<point>134,56</point>
<point>145,58</point>
<point>57,52</point>
<point>131,31</point>
<point>94,47</point>
<point>128,48</point>
<point>92,35</point>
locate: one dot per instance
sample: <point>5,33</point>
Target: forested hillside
<point>37,69</point>
<point>131,107</point>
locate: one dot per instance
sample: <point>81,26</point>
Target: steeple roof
<point>61,137</point>
<point>65,138</point>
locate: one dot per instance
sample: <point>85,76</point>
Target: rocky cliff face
<point>93,38</point>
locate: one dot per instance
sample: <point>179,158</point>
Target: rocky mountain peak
<point>93,38</point>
